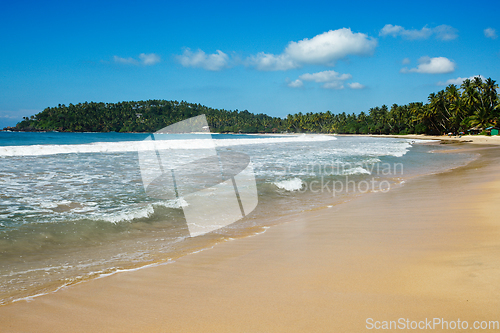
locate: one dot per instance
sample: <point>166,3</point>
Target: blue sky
<point>263,56</point>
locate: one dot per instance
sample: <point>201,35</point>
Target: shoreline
<point>473,139</point>
<point>22,288</point>
<point>310,268</point>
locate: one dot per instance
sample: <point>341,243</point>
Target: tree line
<point>473,104</point>
<point>143,116</point>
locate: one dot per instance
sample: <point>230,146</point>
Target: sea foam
<point>356,171</point>
<point>290,185</point>
<point>127,146</point>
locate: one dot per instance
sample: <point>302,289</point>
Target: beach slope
<point>428,249</point>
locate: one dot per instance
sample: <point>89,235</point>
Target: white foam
<point>356,171</point>
<point>396,150</point>
<point>127,215</point>
<point>45,269</point>
<point>417,141</point>
<point>84,209</point>
<point>48,204</point>
<point>290,185</point>
<point>373,160</point>
<point>128,146</point>
<point>176,203</point>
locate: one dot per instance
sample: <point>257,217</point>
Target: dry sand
<point>429,249</point>
<point>474,139</point>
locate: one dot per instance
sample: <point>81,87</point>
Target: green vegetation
<point>455,109</point>
<point>143,116</point>
<point>475,103</point>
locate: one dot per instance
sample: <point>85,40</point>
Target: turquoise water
<point>73,206</point>
<point>62,138</point>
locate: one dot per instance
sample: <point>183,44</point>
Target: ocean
<point>77,206</point>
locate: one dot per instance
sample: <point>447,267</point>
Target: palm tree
<point>482,118</point>
<point>434,112</point>
<point>456,109</point>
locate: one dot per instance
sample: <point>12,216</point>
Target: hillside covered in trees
<point>143,116</point>
<point>474,104</point>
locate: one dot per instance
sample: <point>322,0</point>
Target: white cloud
<point>391,30</point>
<point>333,85</point>
<point>295,84</point>
<point>324,49</point>
<point>330,46</point>
<point>10,118</point>
<point>270,62</point>
<point>438,65</point>
<point>330,79</point>
<point>442,32</point>
<point>490,33</point>
<point>356,85</point>
<point>406,61</point>
<point>125,61</point>
<point>445,32</point>
<point>144,59</point>
<point>459,80</point>
<point>211,62</point>
<point>149,59</point>
<point>326,76</point>
<point>397,30</point>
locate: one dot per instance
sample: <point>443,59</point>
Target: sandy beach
<point>474,139</point>
<point>428,249</point>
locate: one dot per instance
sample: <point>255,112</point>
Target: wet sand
<point>429,249</point>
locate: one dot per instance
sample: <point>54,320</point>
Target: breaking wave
<point>128,146</point>
<point>290,185</point>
